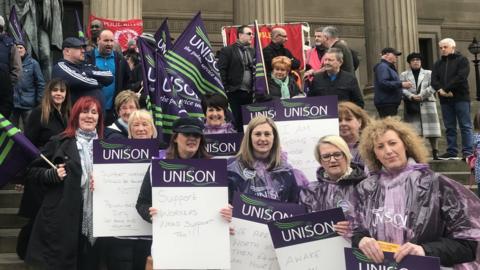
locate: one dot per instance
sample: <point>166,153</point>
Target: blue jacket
<point>28,91</point>
<point>388,87</point>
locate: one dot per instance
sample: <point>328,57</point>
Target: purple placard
<point>324,107</point>
<point>356,260</point>
<point>189,173</point>
<point>305,228</point>
<point>124,151</point>
<point>223,144</point>
<point>261,210</point>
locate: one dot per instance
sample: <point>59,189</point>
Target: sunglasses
<point>248,34</point>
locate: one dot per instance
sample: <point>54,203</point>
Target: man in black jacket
<point>236,65</point>
<point>334,81</point>
<point>276,48</point>
<point>450,79</point>
<point>106,58</point>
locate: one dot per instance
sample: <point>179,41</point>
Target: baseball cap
<point>73,42</point>
<point>188,125</point>
<point>390,50</point>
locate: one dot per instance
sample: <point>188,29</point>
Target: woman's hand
<point>342,227</point>
<point>61,171</point>
<point>153,212</point>
<point>408,249</point>
<point>227,213</point>
<point>371,249</point>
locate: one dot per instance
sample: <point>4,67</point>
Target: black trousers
<point>236,99</point>
<point>126,254</point>
<point>387,110</point>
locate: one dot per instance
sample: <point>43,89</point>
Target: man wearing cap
<point>106,58</point>
<point>387,84</point>
<point>82,79</point>
<point>10,70</point>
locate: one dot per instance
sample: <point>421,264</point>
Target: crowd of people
<point>375,169</point>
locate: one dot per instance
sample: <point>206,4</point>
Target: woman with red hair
<point>62,236</point>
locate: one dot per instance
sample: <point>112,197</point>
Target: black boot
<point>435,154</point>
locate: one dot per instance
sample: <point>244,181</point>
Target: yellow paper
<point>388,247</point>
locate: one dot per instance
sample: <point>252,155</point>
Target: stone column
<point>116,9</point>
<point>265,11</point>
<point>390,23</point>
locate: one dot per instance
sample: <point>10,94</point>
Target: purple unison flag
<point>15,27</point>
<point>192,58</point>
<point>16,151</point>
<point>163,38</point>
<point>80,32</point>
<point>260,84</point>
<point>147,60</point>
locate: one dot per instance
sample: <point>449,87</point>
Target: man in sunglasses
<point>236,67</point>
<point>276,48</point>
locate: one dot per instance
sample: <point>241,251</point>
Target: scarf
<point>283,86</point>
<point>85,149</point>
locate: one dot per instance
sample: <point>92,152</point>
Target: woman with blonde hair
<point>281,84</point>
<point>141,125</point>
<point>259,169</point>
<point>352,120</point>
<point>337,177</point>
<point>405,203</point>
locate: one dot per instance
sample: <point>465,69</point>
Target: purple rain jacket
<point>277,184</point>
<point>424,208</point>
<point>326,194</point>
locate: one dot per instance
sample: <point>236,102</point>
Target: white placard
<point>316,255</point>
<point>116,192</point>
<point>188,230</point>
<point>251,246</point>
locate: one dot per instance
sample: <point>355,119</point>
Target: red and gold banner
<point>123,30</point>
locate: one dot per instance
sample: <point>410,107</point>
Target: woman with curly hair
<point>405,203</point>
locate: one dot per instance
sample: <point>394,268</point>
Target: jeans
<point>387,110</point>
<point>453,112</point>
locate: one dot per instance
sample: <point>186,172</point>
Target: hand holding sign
<point>408,249</point>
<point>371,248</point>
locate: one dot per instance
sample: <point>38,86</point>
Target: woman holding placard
<point>62,236</point>
<point>337,178</point>
<point>258,169</point>
<point>403,202</point>
<point>130,253</point>
<point>352,120</point>
<point>215,107</point>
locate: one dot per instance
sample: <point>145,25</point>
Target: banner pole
<point>257,36</point>
<point>48,161</point>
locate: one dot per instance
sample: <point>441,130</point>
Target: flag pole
<point>48,161</point>
<point>257,36</point>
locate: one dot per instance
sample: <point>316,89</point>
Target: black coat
<point>231,66</point>
<point>56,232</point>
<point>273,50</point>
<point>345,86</point>
<point>116,131</point>
<point>275,89</point>
<point>450,73</point>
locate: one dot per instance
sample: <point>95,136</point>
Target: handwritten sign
<point>119,167</point>
<point>251,247</point>
<point>356,260</point>
<point>223,145</point>
<point>309,241</point>
<point>301,122</point>
<point>188,230</point>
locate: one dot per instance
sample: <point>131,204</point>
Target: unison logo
<point>299,230</point>
<point>221,147</point>
<point>260,210</point>
<point>112,151</point>
<point>181,173</point>
<point>364,263</point>
<point>262,110</point>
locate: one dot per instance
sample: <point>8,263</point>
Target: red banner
<point>123,30</point>
<point>294,42</point>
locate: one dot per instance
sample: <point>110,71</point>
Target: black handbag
<point>410,106</point>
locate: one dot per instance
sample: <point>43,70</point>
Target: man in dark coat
<point>333,41</point>
<point>334,81</point>
<point>236,65</point>
<point>276,48</point>
<point>450,79</point>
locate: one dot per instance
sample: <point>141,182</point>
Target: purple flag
<point>16,151</point>
<point>147,60</point>
<point>192,58</point>
<point>162,38</point>
<point>260,84</point>
<point>80,32</point>
<point>15,27</point>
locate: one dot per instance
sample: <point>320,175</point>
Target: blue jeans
<point>453,111</point>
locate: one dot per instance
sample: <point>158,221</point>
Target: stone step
<point>10,220</point>
<point>449,166</point>
<point>10,261</point>
<point>461,177</point>
<point>8,240</point>
<point>10,198</point>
